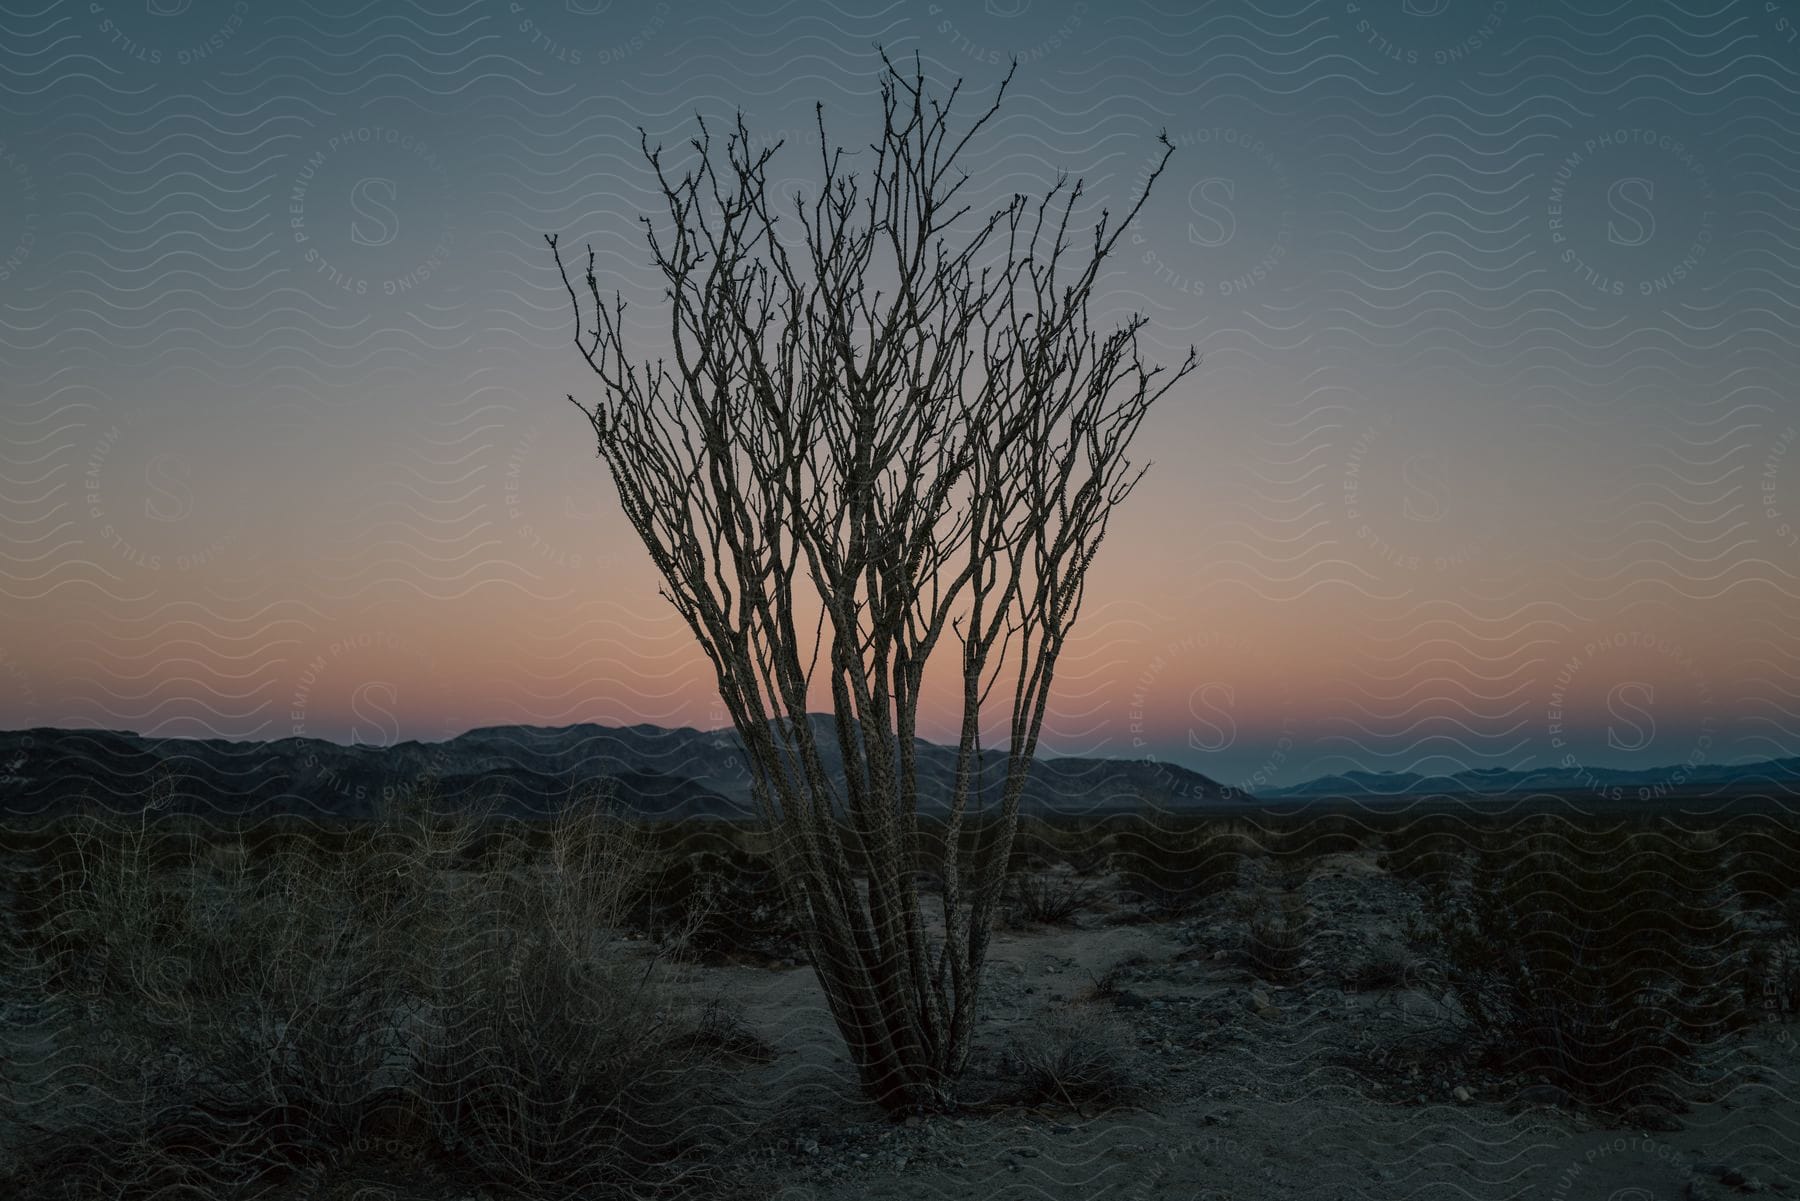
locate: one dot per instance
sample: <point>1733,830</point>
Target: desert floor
<point>1312,1091</point>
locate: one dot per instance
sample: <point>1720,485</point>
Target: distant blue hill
<point>1778,774</point>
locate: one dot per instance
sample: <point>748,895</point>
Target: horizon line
<point>732,731</point>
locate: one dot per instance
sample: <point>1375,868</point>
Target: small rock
<point>1652,1117</point>
<point>1462,1094</point>
<point>913,1122</point>
<point>1724,1173</point>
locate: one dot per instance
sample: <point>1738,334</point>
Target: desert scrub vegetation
<point>1173,866</point>
<point>1385,965</point>
<point>1048,898</point>
<point>1293,845</point>
<point>720,902</point>
<point>1601,961</point>
<point>1774,978</point>
<point>248,1024</point>
<point>1275,937</point>
<point>1764,860</point>
<point>1078,1056</point>
<point>1426,853</point>
<point>1109,985</point>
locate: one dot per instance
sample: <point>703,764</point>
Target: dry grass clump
<point>1048,898</point>
<point>271,1022</point>
<point>1109,985</point>
<point>1080,1056</point>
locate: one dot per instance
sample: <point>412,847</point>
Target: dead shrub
<point>1080,1056</point>
<point>1048,898</point>
<point>1109,984</point>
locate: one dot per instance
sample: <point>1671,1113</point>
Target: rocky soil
<point>1317,1088</point>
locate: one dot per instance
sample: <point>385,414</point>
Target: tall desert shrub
<point>1601,961</point>
<point>268,1026</point>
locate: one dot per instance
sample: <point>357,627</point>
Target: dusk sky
<point>1491,459</point>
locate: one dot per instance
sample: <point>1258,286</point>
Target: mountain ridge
<point>652,770</point>
<point>685,771</point>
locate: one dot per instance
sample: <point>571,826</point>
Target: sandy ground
<point>1266,1093</point>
